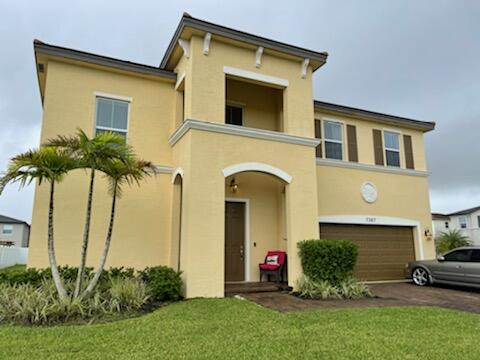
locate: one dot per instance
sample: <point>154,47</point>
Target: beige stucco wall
<point>205,90</point>
<point>204,201</point>
<point>142,230</point>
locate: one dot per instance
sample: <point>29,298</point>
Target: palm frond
<point>48,163</point>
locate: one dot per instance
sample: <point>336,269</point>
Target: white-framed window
<point>111,116</point>
<point>462,222</point>
<point>392,148</point>
<point>234,114</point>
<point>333,139</point>
<point>7,229</point>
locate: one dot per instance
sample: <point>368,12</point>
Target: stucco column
<point>302,218</point>
<point>203,232</point>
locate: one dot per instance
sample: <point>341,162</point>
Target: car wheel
<point>420,276</point>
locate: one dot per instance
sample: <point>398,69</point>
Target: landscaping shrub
<point>28,304</point>
<point>332,261</point>
<point>353,289</point>
<point>164,283</point>
<point>310,289</point>
<point>127,294</point>
<point>322,290</point>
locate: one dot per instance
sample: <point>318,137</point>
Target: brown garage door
<point>383,251</point>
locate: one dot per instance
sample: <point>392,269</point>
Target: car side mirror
<point>440,258</point>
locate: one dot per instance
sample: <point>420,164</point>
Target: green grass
<point>236,329</point>
<point>13,269</point>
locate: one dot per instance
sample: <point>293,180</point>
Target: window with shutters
<point>392,148</point>
<point>333,140</point>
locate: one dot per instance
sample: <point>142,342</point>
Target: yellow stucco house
<point>248,161</point>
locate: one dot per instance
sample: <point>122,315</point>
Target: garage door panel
<point>383,250</point>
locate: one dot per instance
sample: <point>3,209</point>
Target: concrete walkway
<point>392,294</point>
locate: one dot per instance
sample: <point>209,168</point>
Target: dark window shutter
<point>318,135</point>
<point>352,143</point>
<point>378,147</point>
<point>407,144</point>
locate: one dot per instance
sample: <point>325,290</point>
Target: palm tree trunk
<point>51,247</point>
<point>93,283</point>
<point>86,235</point>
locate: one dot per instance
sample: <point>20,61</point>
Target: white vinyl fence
<point>12,255</point>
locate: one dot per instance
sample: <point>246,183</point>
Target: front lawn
<point>237,329</point>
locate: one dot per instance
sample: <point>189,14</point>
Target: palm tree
<point>91,154</point>
<point>450,240</point>
<point>118,173</point>
<point>46,164</point>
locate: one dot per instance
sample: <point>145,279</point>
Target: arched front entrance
<point>255,218</point>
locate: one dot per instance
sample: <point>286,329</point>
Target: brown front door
<point>234,241</point>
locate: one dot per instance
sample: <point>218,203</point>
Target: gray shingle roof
<point>9,220</point>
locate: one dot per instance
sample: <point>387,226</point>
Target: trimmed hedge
<point>164,283</point>
<point>328,260</point>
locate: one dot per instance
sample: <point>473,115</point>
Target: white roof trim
<point>260,167</point>
<point>255,76</point>
<point>370,167</point>
<point>240,131</point>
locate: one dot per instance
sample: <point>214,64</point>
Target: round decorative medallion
<point>369,192</point>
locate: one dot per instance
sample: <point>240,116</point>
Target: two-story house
<point>248,161</point>
<point>467,221</point>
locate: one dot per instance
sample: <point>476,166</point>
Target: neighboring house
<point>248,161</point>
<point>13,232</point>
<point>468,221</point>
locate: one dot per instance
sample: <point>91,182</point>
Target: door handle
<point>458,266</point>
<point>241,251</point>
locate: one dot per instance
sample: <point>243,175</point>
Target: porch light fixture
<point>233,186</point>
<point>428,233</point>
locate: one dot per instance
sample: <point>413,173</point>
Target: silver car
<point>460,266</point>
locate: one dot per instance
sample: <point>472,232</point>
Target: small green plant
<point>328,260</point>
<point>353,289</point>
<point>323,290</point>
<point>451,239</point>
<point>127,294</point>
<point>164,283</point>
<point>310,289</point>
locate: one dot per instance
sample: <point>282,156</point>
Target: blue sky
<point>410,58</point>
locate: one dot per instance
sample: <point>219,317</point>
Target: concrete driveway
<point>390,294</point>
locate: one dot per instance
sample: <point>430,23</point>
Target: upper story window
<point>333,140</point>
<point>112,116</point>
<point>392,148</point>
<point>478,221</point>
<point>7,229</point>
<point>462,222</point>
<point>234,115</point>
